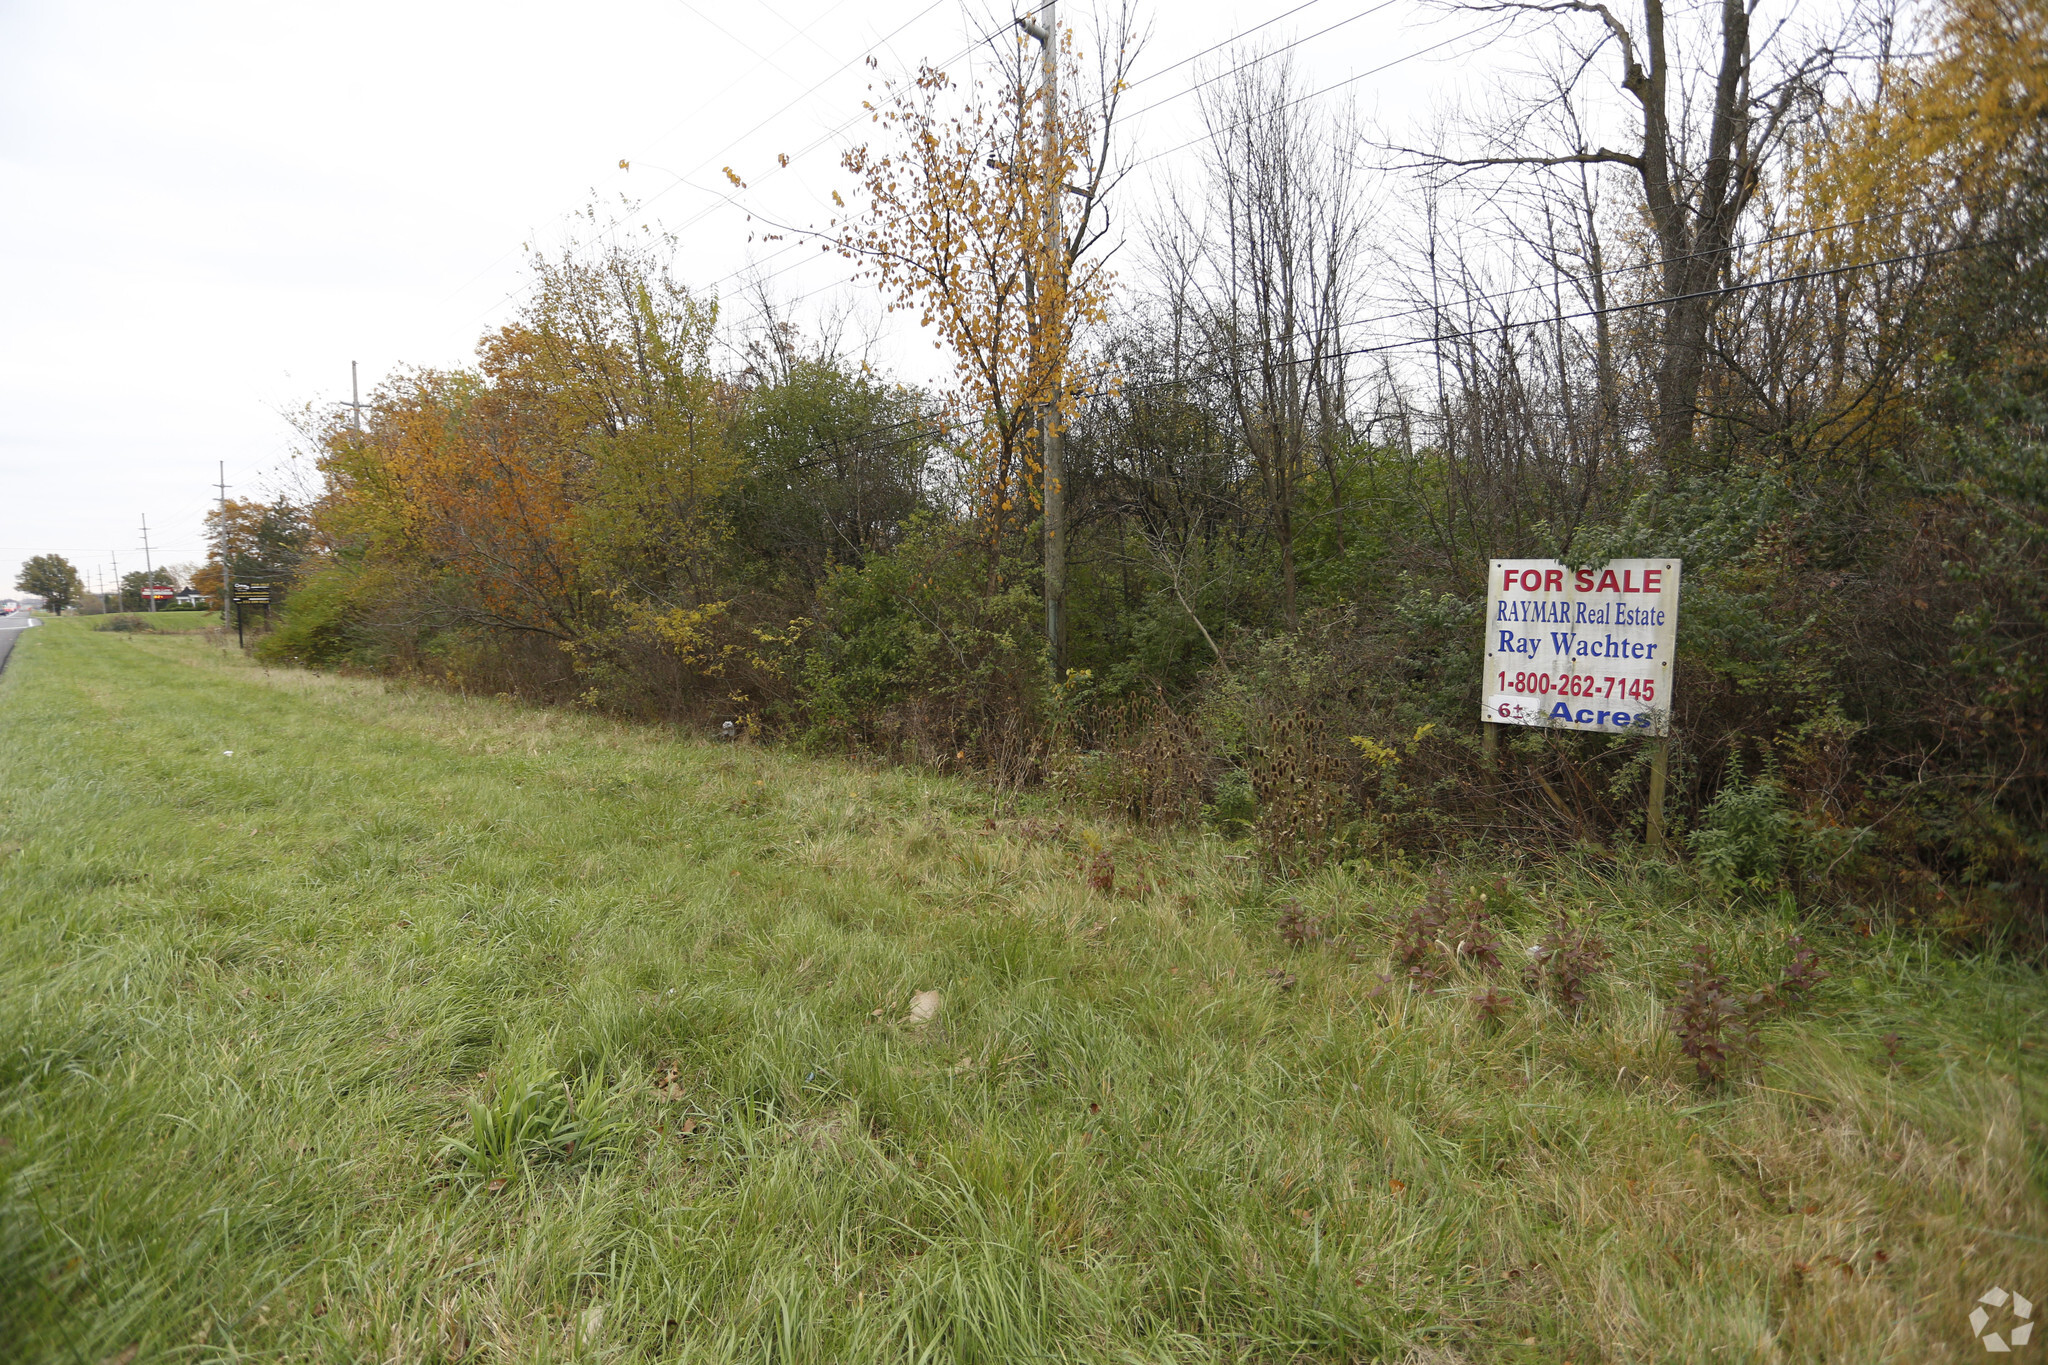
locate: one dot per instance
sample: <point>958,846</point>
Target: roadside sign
<point>162,592</point>
<point>258,593</point>
<point>1581,649</point>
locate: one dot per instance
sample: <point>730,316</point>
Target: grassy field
<point>270,942</point>
<point>161,622</point>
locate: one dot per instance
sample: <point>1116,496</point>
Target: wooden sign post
<point>1584,649</point>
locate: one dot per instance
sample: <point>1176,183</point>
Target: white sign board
<point>1581,649</point>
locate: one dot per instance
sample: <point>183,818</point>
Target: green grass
<point>162,622</point>
<point>247,1000</point>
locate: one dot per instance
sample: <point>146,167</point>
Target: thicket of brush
<point>1277,546</point>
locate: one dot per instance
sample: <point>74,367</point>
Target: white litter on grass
<point>227,753</point>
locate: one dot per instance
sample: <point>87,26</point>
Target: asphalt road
<point>11,626</point>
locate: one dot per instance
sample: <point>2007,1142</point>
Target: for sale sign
<point>1581,649</point>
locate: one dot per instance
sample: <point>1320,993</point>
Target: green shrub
<point>913,654</point>
<point>321,624</point>
<point>1745,834</point>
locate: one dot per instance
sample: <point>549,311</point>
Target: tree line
<point>1202,537</point>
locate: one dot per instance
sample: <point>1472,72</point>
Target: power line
<point>1314,94</point>
<point>1468,300</point>
<point>1478,332</point>
<point>1475,333</point>
<point>814,88</point>
<point>1387,66</point>
<point>1242,66</point>
<point>1262,57</point>
<point>1234,38</point>
<point>731,197</point>
<point>761,59</point>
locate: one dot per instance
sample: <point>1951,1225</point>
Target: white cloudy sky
<point>211,208</point>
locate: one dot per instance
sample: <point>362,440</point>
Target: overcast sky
<point>212,208</point>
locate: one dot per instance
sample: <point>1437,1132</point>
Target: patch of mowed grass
<point>253,1004</point>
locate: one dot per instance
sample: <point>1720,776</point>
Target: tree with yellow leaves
<point>1942,157</point>
<point>565,497</point>
<point>962,224</point>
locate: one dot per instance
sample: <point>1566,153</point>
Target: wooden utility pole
<point>1052,440</point>
<point>355,399</point>
<point>227,586</point>
<point>148,566</point>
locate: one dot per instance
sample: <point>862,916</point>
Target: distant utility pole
<point>355,399</point>
<point>120,602</point>
<point>148,566</point>
<point>227,588</point>
<point>1052,441</point>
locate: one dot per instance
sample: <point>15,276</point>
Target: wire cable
<point>1262,57</point>
<point>1387,66</point>
<point>1217,47</point>
<point>1313,94</point>
<point>1474,333</point>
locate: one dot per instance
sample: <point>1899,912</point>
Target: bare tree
<point>1705,135</point>
<point>1276,248</point>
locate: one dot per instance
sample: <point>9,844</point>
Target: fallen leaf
<point>123,1356</point>
<point>1304,1214</point>
<point>689,1127</point>
<point>320,1309</point>
<point>1528,1341</point>
<point>1398,1185</point>
<point>493,1186</point>
<point>924,1007</point>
